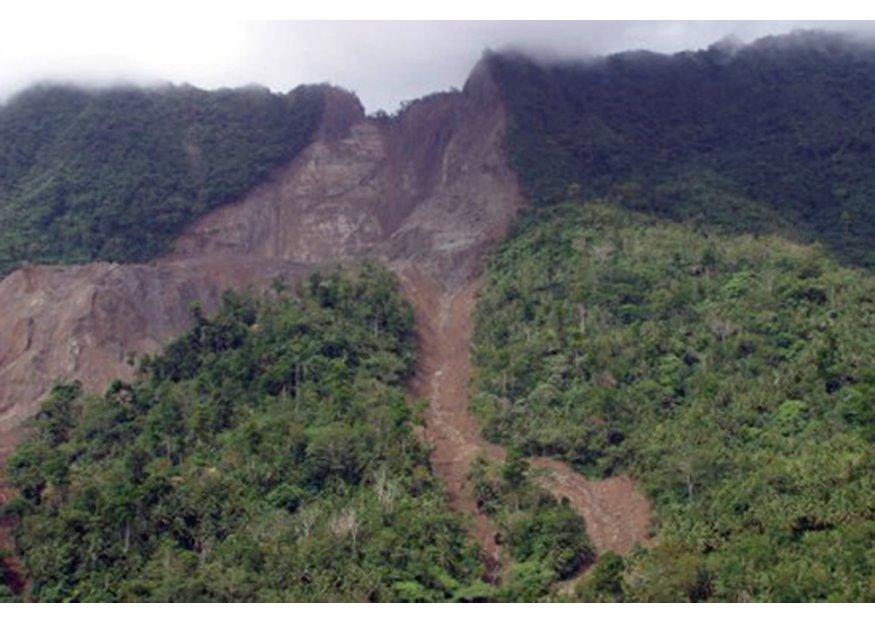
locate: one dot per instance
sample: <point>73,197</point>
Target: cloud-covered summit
<point>384,62</point>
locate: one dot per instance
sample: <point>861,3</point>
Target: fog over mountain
<point>384,62</point>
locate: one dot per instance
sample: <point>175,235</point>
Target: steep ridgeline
<point>776,136</point>
<point>117,174</point>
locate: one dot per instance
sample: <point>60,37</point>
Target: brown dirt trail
<point>444,328</point>
<point>617,514</point>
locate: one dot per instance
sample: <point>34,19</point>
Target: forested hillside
<point>115,174</point>
<point>731,375</point>
<point>688,306</point>
<point>778,135</point>
<point>267,455</point>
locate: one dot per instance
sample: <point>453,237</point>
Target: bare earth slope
<point>428,193</point>
<point>617,516</point>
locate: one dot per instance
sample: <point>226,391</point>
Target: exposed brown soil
<point>444,329</point>
<point>427,193</point>
<point>617,514</point>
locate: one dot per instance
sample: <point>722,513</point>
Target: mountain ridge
<point>429,192</point>
<point>775,136</point>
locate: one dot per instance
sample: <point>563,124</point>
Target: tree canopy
<point>731,375</point>
<point>268,455</point>
<point>775,136</point>
<point>115,174</point>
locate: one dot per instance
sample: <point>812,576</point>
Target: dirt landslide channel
<point>617,514</point>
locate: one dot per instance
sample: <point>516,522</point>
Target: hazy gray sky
<point>384,62</point>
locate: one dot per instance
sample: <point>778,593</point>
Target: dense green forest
<point>778,135</point>
<point>267,455</point>
<point>115,174</point>
<point>731,375</point>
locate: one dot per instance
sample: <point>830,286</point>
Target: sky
<point>385,63</point>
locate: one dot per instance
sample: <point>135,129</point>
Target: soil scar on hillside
<point>617,514</point>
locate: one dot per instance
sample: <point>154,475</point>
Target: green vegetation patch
<point>268,455</point>
<point>778,135</point>
<point>545,539</point>
<point>732,376</point>
<point>116,174</point>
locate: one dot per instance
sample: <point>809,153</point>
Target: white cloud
<point>384,62</point>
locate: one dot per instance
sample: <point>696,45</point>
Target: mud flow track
<point>617,515</point>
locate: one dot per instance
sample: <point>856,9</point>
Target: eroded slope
<point>427,192</point>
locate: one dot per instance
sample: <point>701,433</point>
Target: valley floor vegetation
<point>269,453</point>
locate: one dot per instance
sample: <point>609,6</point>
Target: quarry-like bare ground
<point>428,193</point>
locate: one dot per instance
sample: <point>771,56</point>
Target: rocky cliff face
<point>426,191</point>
